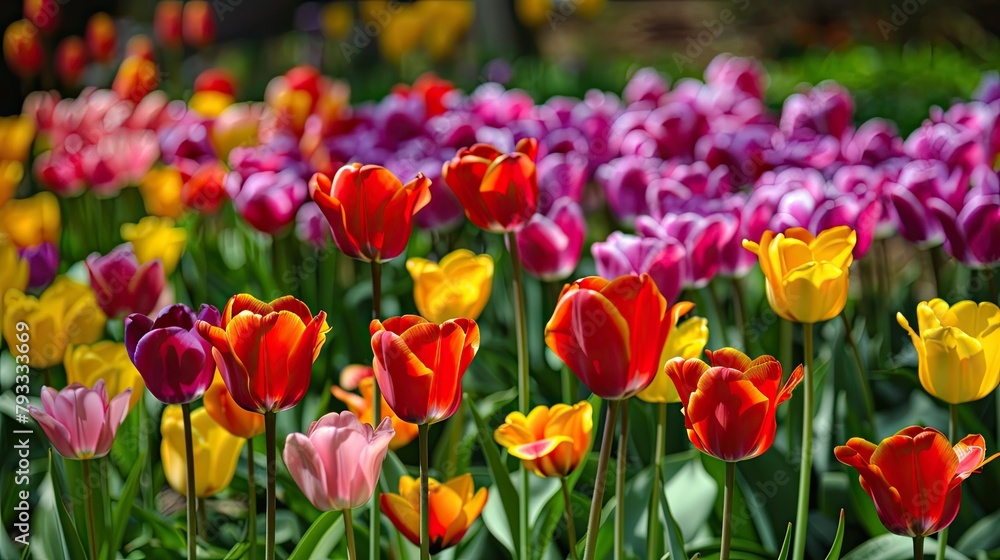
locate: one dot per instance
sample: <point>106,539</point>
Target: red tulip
<point>419,365</point>
<point>167,23</point>
<point>265,351</point>
<point>612,334</point>
<point>370,211</point>
<point>43,14</point>
<point>22,48</point>
<point>216,79</point>
<point>198,24</point>
<point>499,192</point>
<point>100,36</point>
<point>140,46</point>
<point>71,58</point>
<point>205,190</point>
<point>730,405</point>
<point>915,476</point>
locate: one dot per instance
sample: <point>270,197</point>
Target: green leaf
<point>783,555</point>
<point>498,469</point>
<point>321,538</point>
<point>69,532</point>
<point>675,540</point>
<point>122,514</point>
<point>894,547</point>
<point>692,491</point>
<point>238,550</point>
<point>170,537</point>
<point>983,536</point>
<point>838,541</point>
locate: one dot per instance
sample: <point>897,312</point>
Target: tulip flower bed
<point>662,322</point>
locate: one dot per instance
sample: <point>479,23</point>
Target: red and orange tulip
<point>223,409</point>
<point>730,402</point>
<point>549,441</point>
<point>453,507</point>
<point>361,406</point>
<point>265,351</point>
<point>611,334</point>
<point>499,191</point>
<point>419,365</point>
<point>915,476</point>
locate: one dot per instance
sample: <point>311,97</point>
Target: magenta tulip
<point>337,463</point>
<point>43,263</point>
<point>701,236</point>
<point>622,254</point>
<point>827,109</point>
<point>268,201</point>
<point>625,181</point>
<point>122,285</point>
<point>729,72</point>
<point>872,143</point>
<point>645,85</point>
<point>80,422</point>
<point>550,243</point>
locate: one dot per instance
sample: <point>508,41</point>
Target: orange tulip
<point>167,23</point>
<point>499,191</point>
<point>223,409</point>
<point>198,24</point>
<point>100,34</point>
<point>453,508</point>
<point>136,78</point>
<point>730,405</point>
<point>71,58</point>
<point>549,441</point>
<point>361,406</point>
<point>22,48</point>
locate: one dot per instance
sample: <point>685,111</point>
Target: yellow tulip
<point>210,104</point>
<point>107,360</point>
<point>807,277</point>
<point>686,340</point>
<point>458,286</point>
<point>161,192</point>
<point>336,20</point>
<point>16,135</point>
<point>11,173</point>
<point>549,441</point>
<point>216,452</point>
<point>33,220</point>
<point>66,313</point>
<point>156,238</point>
<point>15,272</point>
<point>236,126</point>
<point>958,348</point>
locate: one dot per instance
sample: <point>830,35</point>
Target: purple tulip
<point>187,139</point>
<point>805,149</point>
<point>625,181</point>
<point>988,90</point>
<point>623,254</point>
<point>872,143</point>
<point>701,237</point>
<point>742,151</point>
<point>311,227</point>
<point>646,85</point>
<point>498,107</point>
<point>729,72</point>
<point>122,285</point>
<point>827,109</point>
<point>280,154</point>
<point>550,243</point>
<point>268,201</point>
<point>954,145</point>
<point>560,175</point>
<point>919,186</point>
<point>972,235</point>
<point>43,263</point>
<point>677,126</point>
<point>683,187</point>
<point>175,362</point>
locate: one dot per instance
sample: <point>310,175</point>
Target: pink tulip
<point>623,254</point>
<point>872,143</point>
<point>268,201</point>
<point>729,72</point>
<point>122,285</point>
<point>625,181</point>
<point>701,236</point>
<point>645,85</point>
<point>550,243</point>
<point>827,109</point>
<point>80,422</point>
<point>337,463</point>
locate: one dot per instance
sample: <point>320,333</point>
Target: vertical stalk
<point>942,536</point>
<point>89,494</point>
<point>713,294</point>
<point>189,482</point>
<point>727,510</point>
<point>862,378</point>
<point>375,515</point>
<point>805,465</point>
<point>570,526</point>
<point>523,387</point>
<point>352,553</point>
<point>202,519</point>
<point>425,511</point>
<point>594,520</point>
<point>653,518</point>
<point>918,548</point>
<point>620,485</point>
<point>252,511</point>
<point>272,502</point>
<point>739,312</point>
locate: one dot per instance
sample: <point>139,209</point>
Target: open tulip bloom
<point>453,507</point>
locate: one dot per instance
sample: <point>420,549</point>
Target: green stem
<point>202,519</point>
<point>375,515</point>
<point>942,537</point>
<point>425,512</point>
<point>739,311</point>
<point>566,385</point>
<point>89,494</point>
<point>252,511</point>
<point>594,520</point>
<point>713,294</point>
<point>653,518</point>
<point>570,526</point>
<point>805,465</point>
<point>192,515</point>
<point>862,378</point>
<point>523,401</point>
<point>272,502</point>
<point>727,510</point>
<point>352,553</point>
<point>620,485</point>
<point>918,548</point>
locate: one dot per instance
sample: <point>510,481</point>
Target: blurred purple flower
<point>701,237</point>
<point>268,201</point>
<point>43,263</point>
<point>623,254</point>
<point>737,73</point>
<point>625,181</point>
<point>560,175</point>
<point>872,143</point>
<point>311,227</point>
<point>647,85</point>
<point>826,109</point>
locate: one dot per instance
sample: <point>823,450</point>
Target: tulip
<point>237,125</point>
<point>32,221</point>
<point>647,84</point>
<point>337,462</point>
<point>370,211</point>
<point>161,192</point>
<point>216,452</point>
<point>362,407</point>
<point>71,60</point>
<point>958,349</point>
<point>66,313</point>
<point>700,236</point>
<point>807,276</point>
<point>825,109</point>
<point>100,35</point>
<point>458,286</point>
<point>122,285</point>
<point>550,442</point>
<point>549,244</point>
<point>167,23</point>
<point>43,14</point>
<point>81,422</point>
<point>975,237</point>
<point>267,200</point>
<point>22,48</point>
<point>205,190</point>
<point>499,192</point>
<point>686,341</point>
<point>11,173</point>
<point>175,362</point>
<point>17,133</point>
<point>136,78</point>
<point>140,46</point>
<point>453,507</point>
<point>43,262</point>
<point>915,477</point>
<point>419,365</point>
<point>198,24</point>
<point>661,259</point>
<point>107,362</point>
<point>743,74</point>
<point>311,227</point>
<point>223,409</point>
<point>156,238</point>
<point>16,271</point>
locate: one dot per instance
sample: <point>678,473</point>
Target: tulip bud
<point>43,14</point>
<point>198,24</point>
<point>71,59</point>
<point>100,36</point>
<point>136,78</point>
<point>550,244</point>
<point>140,46</point>
<point>22,48</point>
<point>167,23</point>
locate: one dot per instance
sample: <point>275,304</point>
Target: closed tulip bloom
<point>105,361</point>
<point>17,132</point>
<point>122,285</point>
<point>223,409</point>
<point>337,462</point>
<point>156,238</point>
<point>611,333</point>
<point>361,406</point>
<point>22,48</point>
<point>453,505</point>
<point>167,23</point>
<point>457,286</point>
<point>176,363</point>
<point>686,341</point>
<point>216,452</point>
<point>265,351</point>
<point>730,402</point>
<point>205,190</point>
<point>419,365</point>
<point>499,191</point>
<point>80,422</point>
<point>32,221</point>
<point>161,192</point>
<point>71,60</point>
<point>958,348</point>
<point>11,173</point>
<point>661,259</point>
<point>370,211</point>
<point>267,200</point>
<point>198,24</point>
<point>915,477</point>
<point>549,441</point>
<point>807,277</point>
<point>100,35</point>
<point>66,313</point>
<point>43,262</point>
<point>550,243</point>
<point>136,78</point>
<point>44,14</point>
